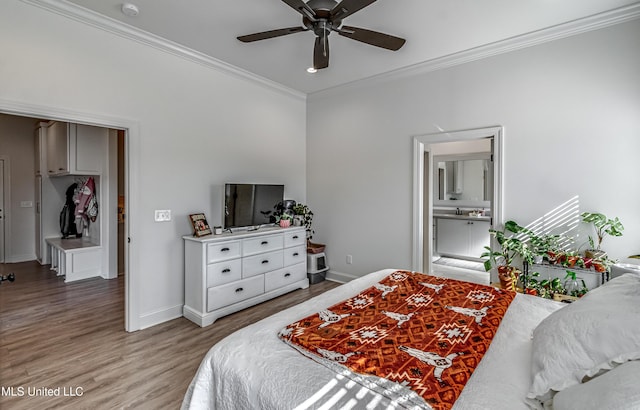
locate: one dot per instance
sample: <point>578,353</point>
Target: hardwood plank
<point>71,337</point>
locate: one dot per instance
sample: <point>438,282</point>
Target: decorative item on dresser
<point>233,271</point>
<point>200,225</point>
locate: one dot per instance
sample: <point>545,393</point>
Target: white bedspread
<point>253,369</point>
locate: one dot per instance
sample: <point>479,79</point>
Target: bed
<point>524,367</point>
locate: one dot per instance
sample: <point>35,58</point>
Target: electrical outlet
<point>349,259</point>
<point>163,215</point>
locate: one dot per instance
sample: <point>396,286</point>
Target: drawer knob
<point>295,237</point>
<point>264,243</point>
<point>224,250</point>
<point>226,270</point>
<point>265,261</point>
<point>286,275</point>
<point>296,254</point>
<point>239,290</point>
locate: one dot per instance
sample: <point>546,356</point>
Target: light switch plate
<point>163,215</point>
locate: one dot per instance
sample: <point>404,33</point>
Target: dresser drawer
<point>283,277</point>
<point>224,272</point>
<point>262,244</point>
<point>295,255</point>
<point>294,238</point>
<point>224,295</point>
<point>222,251</point>
<point>265,262</point>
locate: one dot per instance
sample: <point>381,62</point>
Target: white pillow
<point>595,333</point>
<point>617,389</point>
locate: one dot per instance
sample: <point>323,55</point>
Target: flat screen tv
<point>250,205</point>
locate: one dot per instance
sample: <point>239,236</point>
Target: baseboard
<point>339,276</point>
<point>160,316</point>
<point>20,258</point>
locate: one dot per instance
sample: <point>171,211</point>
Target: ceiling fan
<point>323,17</point>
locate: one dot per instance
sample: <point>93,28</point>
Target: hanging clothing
<point>67,215</point>
<point>86,202</point>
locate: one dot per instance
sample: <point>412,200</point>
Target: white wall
<point>570,109</point>
<point>197,127</point>
<point>17,147</point>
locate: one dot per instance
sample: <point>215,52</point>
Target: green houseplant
<point>544,288</point>
<point>574,286</point>
<point>510,246</point>
<point>284,219</point>
<point>603,226</point>
<point>544,246</point>
<point>306,216</point>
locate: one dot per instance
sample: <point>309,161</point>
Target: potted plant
<point>303,212</point>
<point>510,247</point>
<point>603,226</point>
<point>544,246</point>
<point>602,264</point>
<point>572,259</point>
<point>284,220</point>
<point>544,288</point>
<point>573,285</point>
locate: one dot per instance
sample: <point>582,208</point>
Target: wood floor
<point>64,345</point>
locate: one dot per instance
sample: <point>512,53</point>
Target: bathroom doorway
<point>427,155</point>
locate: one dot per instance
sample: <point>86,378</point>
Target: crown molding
<point>572,28</point>
<point>568,29</point>
<point>102,22</point>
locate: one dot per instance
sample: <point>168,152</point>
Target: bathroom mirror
<point>463,180</point>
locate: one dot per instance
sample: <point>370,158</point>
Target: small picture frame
<point>200,225</point>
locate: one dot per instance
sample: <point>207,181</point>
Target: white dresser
<point>230,272</point>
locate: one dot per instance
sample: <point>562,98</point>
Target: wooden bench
<point>75,258</point>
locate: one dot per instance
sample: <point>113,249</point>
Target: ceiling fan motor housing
<point>323,16</point>
<point>323,23</point>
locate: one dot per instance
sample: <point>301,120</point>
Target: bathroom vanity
<point>461,236</point>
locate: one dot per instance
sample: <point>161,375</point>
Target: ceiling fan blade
<point>302,8</point>
<point>321,52</point>
<point>348,7</point>
<point>270,34</point>
<point>373,38</point>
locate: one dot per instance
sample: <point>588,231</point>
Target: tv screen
<point>251,204</point>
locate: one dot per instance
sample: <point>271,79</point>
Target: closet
<point>67,157</point>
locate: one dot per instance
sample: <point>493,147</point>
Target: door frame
<point>422,229</point>
<point>131,182</point>
<point>5,198</point>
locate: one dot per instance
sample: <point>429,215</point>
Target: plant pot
<point>285,223</point>
<point>561,258</point>
<point>508,276</point>
<point>594,253</point>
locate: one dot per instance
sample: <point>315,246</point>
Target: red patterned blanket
<point>423,332</point>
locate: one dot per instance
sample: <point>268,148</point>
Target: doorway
<point>423,187</point>
<point>2,210</point>
<point>130,135</point>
